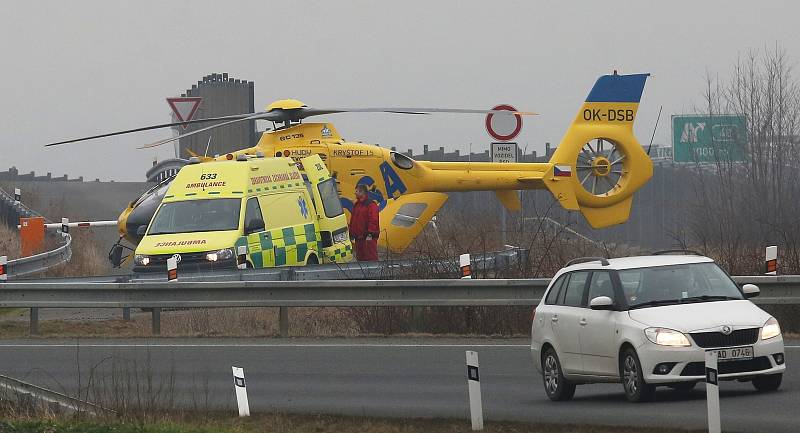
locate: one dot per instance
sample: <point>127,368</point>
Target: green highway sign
<point>698,138</point>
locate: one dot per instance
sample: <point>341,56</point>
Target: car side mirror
<point>750,290</point>
<point>254,225</point>
<point>141,230</point>
<point>602,303</point>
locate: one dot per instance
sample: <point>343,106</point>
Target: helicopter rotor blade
<point>148,128</point>
<point>256,116</point>
<point>307,112</point>
<point>287,115</point>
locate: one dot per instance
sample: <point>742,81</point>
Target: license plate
<point>735,353</point>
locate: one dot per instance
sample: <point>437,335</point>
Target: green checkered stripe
<point>281,247</point>
<point>340,253</point>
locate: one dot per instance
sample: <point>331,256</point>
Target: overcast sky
<point>84,67</point>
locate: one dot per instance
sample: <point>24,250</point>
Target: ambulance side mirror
<point>253,226</point>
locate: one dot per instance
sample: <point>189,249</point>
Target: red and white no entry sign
<point>501,126</point>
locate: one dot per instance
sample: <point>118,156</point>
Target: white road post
<point>466,266</point>
<point>474,384</point>
<point>172,269</point>
<point>772,260</point>
<point>712,392</point>
<point>64,227</point>
<point>241,391</point>
<point>17,195</point>
<point>3,269</point>
<point>241,257</point>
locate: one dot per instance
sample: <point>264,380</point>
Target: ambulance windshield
<point>209,215</point>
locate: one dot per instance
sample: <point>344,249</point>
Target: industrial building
<point>222,96</point>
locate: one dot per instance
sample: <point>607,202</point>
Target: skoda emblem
<point>726,330</point>
<point>177,258</point>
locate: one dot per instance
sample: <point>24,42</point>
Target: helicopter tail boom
<point>596,169</point>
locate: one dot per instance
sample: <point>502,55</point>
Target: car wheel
<point>632,377</point>
<point>683,386</point>
<point>555,385</point>
<point>769,382</point>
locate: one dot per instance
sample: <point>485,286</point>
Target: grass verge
<point>263,322</point>
<point>229,322</point>
<point>281,423</point>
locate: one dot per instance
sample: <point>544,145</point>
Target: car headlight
<point>141,260</point>
<point>223,254</point>
<point>771,329</point>
<point>667,337</point>
<point>339,238</point>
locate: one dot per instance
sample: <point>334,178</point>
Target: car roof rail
<point>676,251</point>
<point>603,261</point>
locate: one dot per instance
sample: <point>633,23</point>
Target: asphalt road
<point>374,377</point>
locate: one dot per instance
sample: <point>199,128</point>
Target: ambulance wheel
<point>312,260</point>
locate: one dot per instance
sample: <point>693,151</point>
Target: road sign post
<point>64,226</point>
<point>503,128</point>
<point>712,392</point>
<point>241,257</point>
<point>474,385</point>
<point>172,268</point>
<point>772,260</point>
<point>466,266</point>
<point>241,391</point>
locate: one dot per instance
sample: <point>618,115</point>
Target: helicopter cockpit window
<point>190,216</point>
<point>402,161</point>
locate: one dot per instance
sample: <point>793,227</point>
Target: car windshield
<point>197,216</point>
<point>675,284</point>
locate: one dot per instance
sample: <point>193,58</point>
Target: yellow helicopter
<point>596,169</point>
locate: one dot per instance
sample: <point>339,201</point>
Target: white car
<point>647,321</point>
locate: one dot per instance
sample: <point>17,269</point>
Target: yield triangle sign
<point>184,108</point>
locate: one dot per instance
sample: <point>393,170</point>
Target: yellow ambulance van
<point>283,216</point>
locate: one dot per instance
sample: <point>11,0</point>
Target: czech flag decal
<point>562,171</point>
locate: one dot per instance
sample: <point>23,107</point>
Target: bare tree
<point>743,206</point>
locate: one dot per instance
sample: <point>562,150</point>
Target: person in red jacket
<point>364,226</point>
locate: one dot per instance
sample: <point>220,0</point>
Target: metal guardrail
<point>319,293</point>
<point>157,295</point>
<point>40,262</point>
<point>781,289</point>
<point>488,263</point>
<point>12,211</point>
<point>28,395</point>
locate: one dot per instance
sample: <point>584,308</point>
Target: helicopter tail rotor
<point>599,164</point>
